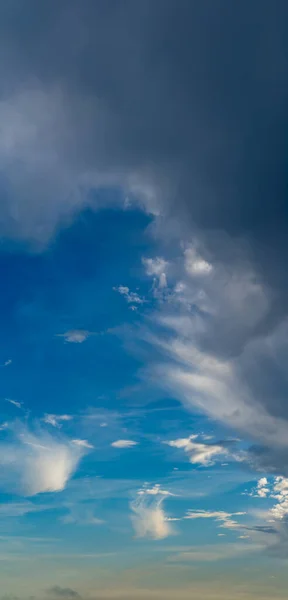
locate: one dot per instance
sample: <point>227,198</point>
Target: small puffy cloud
<point>7,363</point>
<point>156,490</point>
<point>199,453</point>
<point>149,518</point>
<point>75,336</point>
<point>82,444</point>
<point>195,264</point>
<point>124,444</point>
<point>280,493</point>
<point>131,297</point>
<point>56,420</point>
<point>262,489</point>
<point>62,592</point>
<point>157,268</point>
<point>37,463</point>
<point>4,426</point>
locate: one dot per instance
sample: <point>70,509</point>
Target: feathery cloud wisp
<point>56,420</point>
<point>39,463</point>
<point>149,518</point>
<point>199,453</point>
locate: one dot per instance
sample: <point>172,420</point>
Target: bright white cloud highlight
<point>124,444</point>
<point>223,518</point>
<point>198,452</point>
<point>34,464</point>
<point>195,264</point>
<point>149,518</point>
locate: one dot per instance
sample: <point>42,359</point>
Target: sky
<point>143,305</point>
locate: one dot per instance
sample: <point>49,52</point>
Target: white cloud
<point>82,444</point>
<point>56,420</point>
<point>222,517</point>
<point>199,453</point>
<point>156,490</point>
<point>15,403</point>
<point>213,386</point>
<point>131,297</point>
<point>124,444</point>
<point>157,268</point>
<point>280,492</point>
<point>262,489</point>
<point>37,463</point>
<point>149,518</point>
<point>4,426</point>
<point>195,264</point>
<point>75,336</point>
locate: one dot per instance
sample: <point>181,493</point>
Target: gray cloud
<point>148,89</point>
<point>62,592</point>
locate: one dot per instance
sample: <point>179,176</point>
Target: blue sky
<point>143,306</point>
<point>105,467</point>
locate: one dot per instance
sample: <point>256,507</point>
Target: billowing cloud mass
<point>149,518</point>
<point>196,140</point>
<point>37,463</point>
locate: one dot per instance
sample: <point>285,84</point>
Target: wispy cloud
<point>56,420</point>
<point>149,518</point>
<point>198,452</point>
<point>224,518</point>
<point>124,444</point>
<point>7,363</point>
<point>37,463</point>
<point>14,402</point>
<point>82,443</point>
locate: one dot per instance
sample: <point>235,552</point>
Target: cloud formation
<point>199,453</point>
<point>75,336</point>
<point>149,518</point>
<point>56,420</point>
<point>37,463</point>
<point>124,444</point>
<point>174,134</point>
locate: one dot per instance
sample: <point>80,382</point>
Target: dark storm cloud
<point>195,93</point>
